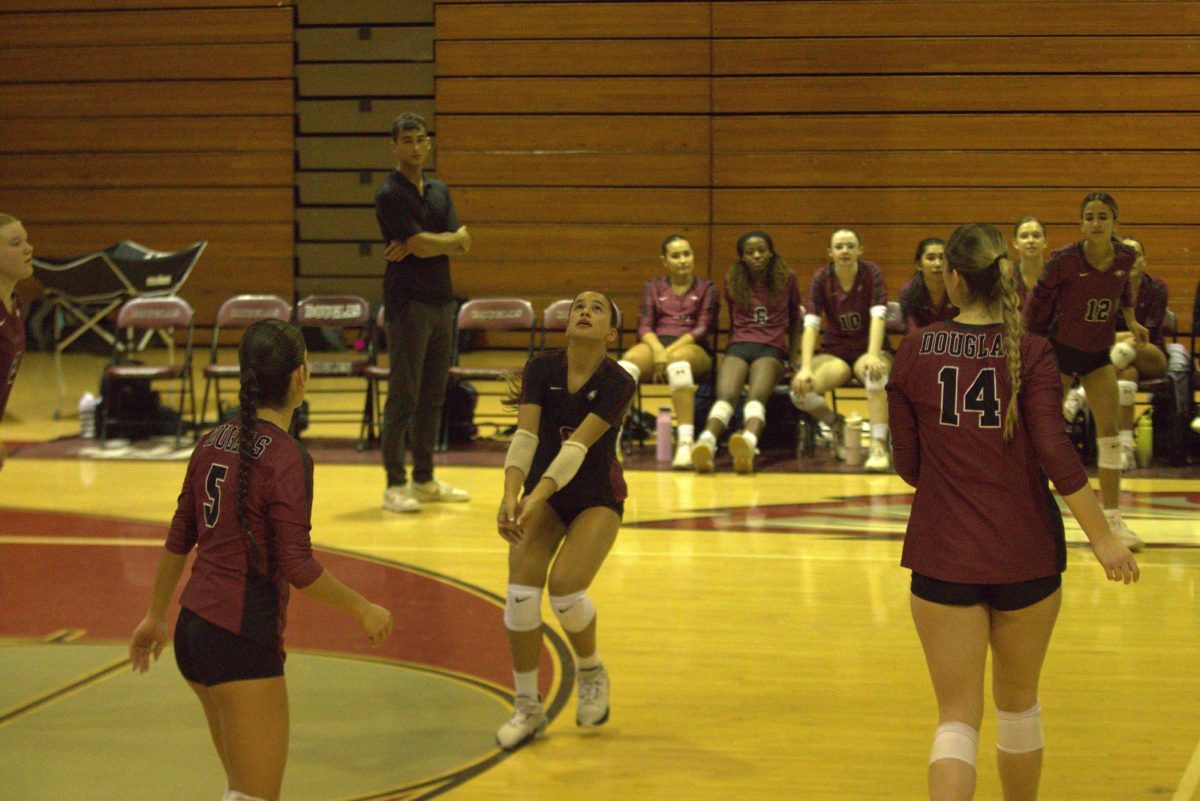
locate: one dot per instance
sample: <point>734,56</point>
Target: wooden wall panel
<point>610,133</point>
<point>572,95</point>
<point>160,121</point>
<point>364,43</point>
<point>938,18</point>
<point>665,206</point>
<point>541,21</point>
<point>365,115</point>
<point>575,169</point>
<point>598,57</point>
<point>363,12</point>
<point>370,80</point>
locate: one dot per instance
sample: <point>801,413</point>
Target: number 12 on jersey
<point>980,398</point>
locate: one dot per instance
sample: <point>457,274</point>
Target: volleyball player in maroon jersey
<point>975,422</point>
<point>923,299</point>
<point>678,316</point>
<point>764,310</point>
<point>847,319</point>
<point>1076,301</point>
<point>563,457</point>
<point>1029,240</point>
<point>16,262</point>
<point>246,507</point>
<point>1149,359</point>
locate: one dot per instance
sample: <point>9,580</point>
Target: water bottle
<point>662,434</point>
<point>853,444</point>
<point>87,415</point>
<point>1143,438</point>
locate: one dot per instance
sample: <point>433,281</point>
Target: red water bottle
<point>662,434</point>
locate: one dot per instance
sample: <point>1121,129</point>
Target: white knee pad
<point>1108,453</point>
<point>955,741</point>
<point>723,411</point>
<point>523,608</point>
<point>631,368</point>
<point>234,795</point>
<point>1019,732</point>
<point>876,384</point>
<point>1122,355</point>
<point>575,611</point>
<point>679,375</point>
<point>1127,392</point>
<point>754,410</point>
<point>808,402</point>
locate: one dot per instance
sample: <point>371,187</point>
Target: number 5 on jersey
<point>981,397</point>
<point>212,487</point>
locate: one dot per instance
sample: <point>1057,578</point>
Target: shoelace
<point>590,686</point>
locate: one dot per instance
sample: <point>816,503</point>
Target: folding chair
<point>338,312</point>
<point>138,317</point>
<point>238,312</point>
<point>491,314</point>
<point>371,427</point>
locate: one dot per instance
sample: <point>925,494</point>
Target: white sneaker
<point>702,457</point>
<point>880,460</point>
<point>1130,540</point>
<point>527,722</point>
<point>1128,458</point>
<point>683,456</point>
<point>438,492</point>
<point>593,697</point>
<point>743,454</point>
<point>1073,404</point>
<point>397,498</point>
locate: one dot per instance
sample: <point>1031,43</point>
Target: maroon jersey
<point>764,321</point>
<point>606,394</point>
<point>12,348</point>
<point>846,316</point>
<point>222,588</point>
<point>1076,304</point>
<point>668,314</point>
<point>1149,307</point>
<point>918,309</point>
<point>982,513</point>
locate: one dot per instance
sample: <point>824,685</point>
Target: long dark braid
<point>269,353</point>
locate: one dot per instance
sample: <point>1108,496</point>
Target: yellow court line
<point>67,690</point>
<point>1190,780</point>
<point>16,539</point>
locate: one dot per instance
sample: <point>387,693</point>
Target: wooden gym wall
<point>161,121</point>
<point>577,134</point>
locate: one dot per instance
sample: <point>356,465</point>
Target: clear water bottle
<point>87,415</point>
<point>662,434</point>
<point>1143,438</point>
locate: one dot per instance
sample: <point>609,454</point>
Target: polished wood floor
<point>756,629</point>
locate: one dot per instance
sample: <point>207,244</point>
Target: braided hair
<point>269,353</point>
<point>977,253</point>
<point>739,275</point>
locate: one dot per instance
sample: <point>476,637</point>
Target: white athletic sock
<point>708,437</point>
<point>750,438</point>
<point>526,683</point>
<point>1127,438</point>
<point>879,431</point>
<point>686,432</point>
<point>588,662</point>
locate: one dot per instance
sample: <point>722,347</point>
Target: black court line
<point>61,692</point>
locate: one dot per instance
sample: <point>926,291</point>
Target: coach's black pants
<point>420,338</point>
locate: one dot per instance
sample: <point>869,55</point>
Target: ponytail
<point>1014,331</point>
<point>247,432</point>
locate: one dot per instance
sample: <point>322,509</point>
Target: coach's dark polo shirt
<point>402,212</point>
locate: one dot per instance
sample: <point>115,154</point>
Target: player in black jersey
<point>564,458</point>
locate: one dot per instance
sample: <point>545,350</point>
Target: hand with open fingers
<point>148,640</point>
<point>395,250</point>
<point>506,520</point>
<point>377,623</point>
<point>874,366</point>
<point>1117,560</point>
<point>660,365</point>
<point>525,511</point>
<point>464,241</point>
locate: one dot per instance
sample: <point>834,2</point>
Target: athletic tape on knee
<point>631,368</point>
<point>523,608</point>
<point>1122,355</point>
<point>1127,392</point>
<point>575,611</point>
<point>679,375</point>
<point>808,402</point>
<point>1108,453</point>
<point>812,321</point>
<point>1019,732</point>
<point>723,411</point>
<point>521,451</point>
<point>955,741</point>
<point>567,463</point>
<point>879,312</point>
<point>754,410</point>
<point>875,384</point>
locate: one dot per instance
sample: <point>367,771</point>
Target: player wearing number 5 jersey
<point>245,508</point>
<point>764,309</point>
<point>975,421</point>
<point>1076,302</point>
